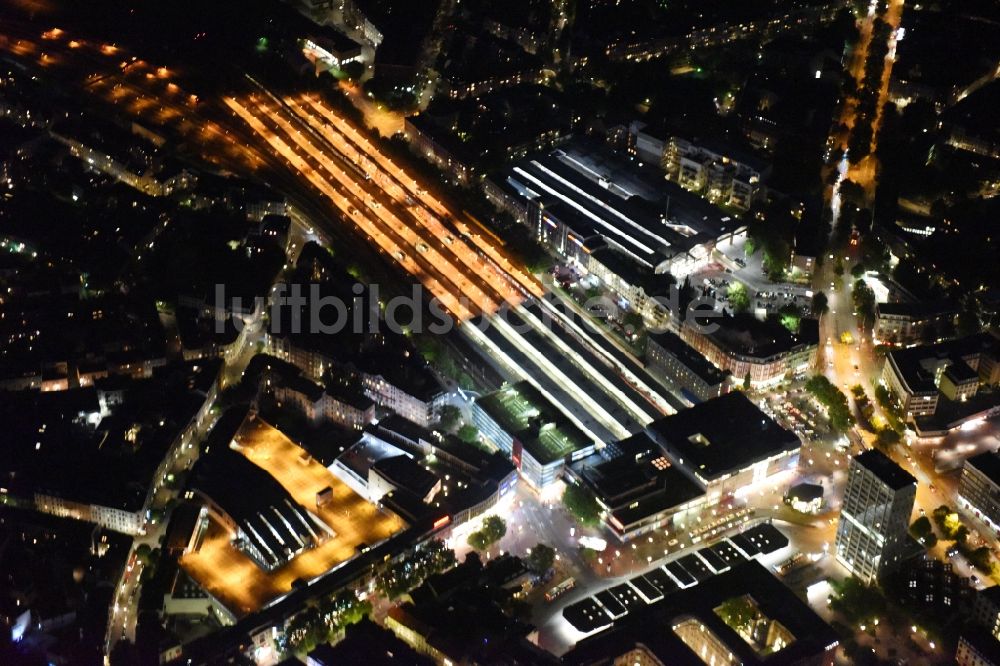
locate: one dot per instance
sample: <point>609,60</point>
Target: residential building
<point>919,376</point>
<point>765,351</point>
<point>872,537</point>
<point>979,488</point>
<point>977,647</point>
<point>668,357</point>
<point>336,403</point>
<point>723,174</point>
<point>906,324</point>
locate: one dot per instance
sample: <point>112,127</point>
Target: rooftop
<point>885,469</point>
<point>721,436</point>
<point>595,193</point>
<point>655,626</point>
<point>635,480</point>
<point>689,357</point>
<point>59,444</point>
<point>524,413</point>
<point>404,472</point>
<point>917,309</point>
<point>989,465</point>
<point>224,476</point>
<point>915,365</point>
<point>745,335</point>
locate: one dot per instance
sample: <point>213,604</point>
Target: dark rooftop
<point>745,335</point>
<point>989,465</point>
<point>917,309</point>
<point>721,436</point>
<point>652,625</point>
<point>885,469</point>
<point>688,356</point>
<point>404,472</point>
<point>367,643</point>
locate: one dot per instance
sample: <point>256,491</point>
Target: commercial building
<point>979,488</point>
<point>267,524</point>
<point>524,425</point>
<point>695,626</point>
<point>872,537</point>
<point>805,497</point>
<point>906,324</point>
<point>637,486</point>
<point>401,472</point>
<point>329,49</point>
<point>670,358</point>
<point>726,444</point>
<point>919,376</point>
<point>577,200</point>
<point>765,350</point>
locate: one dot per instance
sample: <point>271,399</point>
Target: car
<point>672,543</point>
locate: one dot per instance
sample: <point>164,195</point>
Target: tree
<point>493,529</point>
<point>739,300</point>
<point>541,558</point>
<point>864,303</point>
<point>738,613</point>
<point>855,601</point>
<point>143,553</point>
<point>834,400</point>
<point>581,505</point>
<point>468,434</point>
<point>820,304</point>
<point>449,417</point>
<point>921,527</point>
<point>887,438</point>
<point>851,192</point>
<point>746,381</point>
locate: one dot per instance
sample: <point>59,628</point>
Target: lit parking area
<point>235,579</point>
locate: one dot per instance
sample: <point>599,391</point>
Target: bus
<point>560,589</point>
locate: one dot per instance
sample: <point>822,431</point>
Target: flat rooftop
<point>689,357</point>
<point>634,478</point>
<point>235,579</point>
<point>917,309</point>
<point>911,364</point>
<point>597,194</point>
<point>745,335</point>
<point>269,517</point>
<point>524,413</point>
<point>885,469</point>
<point>655,625</point>
<point>989,465</point>
<point>722,435</point>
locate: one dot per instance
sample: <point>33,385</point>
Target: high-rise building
<point>872,535</point>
